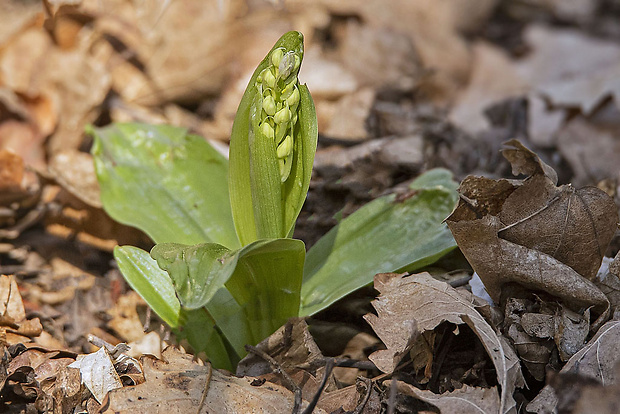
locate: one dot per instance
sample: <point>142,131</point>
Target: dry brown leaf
<point>11,305</point>
<point>75,171</point>
<point>348,399</point>
<point>350,114</point>
<point>597,360</point>
<point>588,73</point>
<point>380,57</point>
<point>535,234</point>
<point>543,122</point>
<point>591,150</point>
<point>493,79</point>
<point>461,401</point>
<point>419,302</point>
<point>291,346</point>
<point>125,320</point>
<point>176,385</point>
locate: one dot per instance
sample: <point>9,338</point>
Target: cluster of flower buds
<point>279,88</point>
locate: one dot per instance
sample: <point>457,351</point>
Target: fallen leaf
<point>98,373</point>
<point>419,302</point>
<point>597,360</point>
<point>350,114</point>
<point>493,79</point>
<point>75,171</point>
<point>291,346</point>
<point>532,233</point>
<point>587,75</point>
<point>176,384</point>
<point>461,401</point>
<point>591,150</point>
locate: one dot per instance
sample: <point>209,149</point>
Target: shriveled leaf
<point>98,373</point>
<point>168,183</point>
<point>291,346</point>
<point>197,271</point>
<point>176,384</point>
<point>423,300</point>
<point>388,234</point>
<point>156,288</point>
<point>535,234</point>
<point>597,360</point>
<point>464,400</point>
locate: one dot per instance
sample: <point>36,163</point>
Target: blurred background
<point>400,86</point>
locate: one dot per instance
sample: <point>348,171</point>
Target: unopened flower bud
<point>267,130</point>
<point>282,116</point>
<point>287,65</point>
<point>268,78</point>
<point>276,57</point>
<point>285,148</point>
<point>293,99</point>
<point>269,105</point>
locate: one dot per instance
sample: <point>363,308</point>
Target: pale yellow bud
<point>285,148</point>
<point>269,105</point>
<point>267,130</point>
<point>293,99</point>
<point>268,78</point>
<point>276,57</point>
<point>282,116</point>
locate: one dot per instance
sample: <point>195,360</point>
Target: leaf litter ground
<point>548,340</point>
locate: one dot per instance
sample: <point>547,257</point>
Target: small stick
<point>206,390</point>
<point>278,369</point>
<point>329,366</point>
<point>360,407</point>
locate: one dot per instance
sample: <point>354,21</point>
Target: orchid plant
<point>225,271</point>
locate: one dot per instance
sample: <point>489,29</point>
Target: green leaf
<point>262,206</point>
<point>153,284</point>
<point>155,287</point>
<point>267,283</point>
<point>203,335</point>
<point>386,235</point>
<point>168,183</point>
<point>262,279</point>
<point>197,272</point>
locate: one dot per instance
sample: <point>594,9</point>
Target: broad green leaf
<point>162,180</point>
<point>154,285</point>
<point>262,280</point>
<point>262,206</point>
<point>197,272</point>
<point>203,335</point>
<point>386,235</point>
<point>267,283</point>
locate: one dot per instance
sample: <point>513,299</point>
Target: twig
<point>279,370</point>
<point>339,362</point>
<point>206,390</point>
<point>361,405</point>
<point>329,366</point>
<point>391,404</point>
